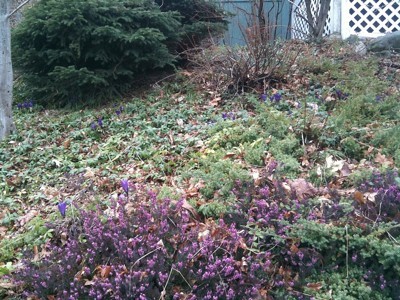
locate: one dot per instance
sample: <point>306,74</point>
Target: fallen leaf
<point>214,102</point>
<point>316,286</point>
<point>27,217</point>
<point>345,170</point>
<point>334,165</point>
<point>359,197</point>
<point>186,205</point>
<point>256,177</point>
<point>229,155</point>
<point>302,188</point>
<point>66,144</point>
<point>370,196</point>
<point>3,231</point>
<point>382,159</point>
<point>105,271</point>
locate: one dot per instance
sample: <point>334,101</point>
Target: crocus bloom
<point>263,97</point>
<point>125,185</point>
<point>93,126</point>
<point>232,116</point>
<point>62,207</point>
<point>275,97</point>
<point>118,112</point>
<point>100,122</point>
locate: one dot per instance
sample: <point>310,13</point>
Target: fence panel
<point>370,18</point>
<point>300,28</point>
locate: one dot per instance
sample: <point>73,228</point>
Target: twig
<point>347,252</point>
<point>17,9</point>
<point>147,254</point>
<point>166,284</point>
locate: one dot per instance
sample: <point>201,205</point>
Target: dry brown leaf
<point>316,286</point>
<point>334,165</point>
<point>359,197</point>
<point>3,231</point>
<point>214,102</point>
<point>105,271</point>
<point>229,155</point>
<point>186,205</point>
<point>7,285</point>
<point>370,196</point>
<point>345,170</point>
<point>302,188</point>
<point>382,159</point>
<point>66,144</point>
<point>256,177</point>
<point>27,217</point>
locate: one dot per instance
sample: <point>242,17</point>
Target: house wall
<point>277,14</point>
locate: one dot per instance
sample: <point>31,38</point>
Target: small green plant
<point>36,234</point>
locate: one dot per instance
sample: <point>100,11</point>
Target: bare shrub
<point>256,65</point>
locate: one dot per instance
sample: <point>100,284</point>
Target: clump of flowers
<point>119,111</point>
<point>145,248</point>
<point>341,95</point>
<point>99,123</point>
<point>276,97</point>
<point>26,104</point>
<point>270,244</point>
<point>229,116</point>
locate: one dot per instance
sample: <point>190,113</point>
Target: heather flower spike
<point>62,207</point>
<point>125,185</point>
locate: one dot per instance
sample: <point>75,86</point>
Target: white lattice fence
<point>370,18</point>
<point>300,28</point>
<point>365,18</point>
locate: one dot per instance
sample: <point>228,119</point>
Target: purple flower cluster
<point>144,248</point>
<point>274,98</point>
<point>271,242</point>
<point>340,95</point>
<point>229,116</point>
<point>119,111</point>
<point>25,105</point>
<point>99,123</point>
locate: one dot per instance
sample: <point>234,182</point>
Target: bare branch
<point>17,9</point>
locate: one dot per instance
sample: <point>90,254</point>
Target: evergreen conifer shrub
<point>200,19</point>
<point>69,50</point>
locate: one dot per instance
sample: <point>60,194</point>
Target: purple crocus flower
<point>19,105</point>
<point>341,95</point>
<point>224,116</point>
<point>125,185</point>
<point>276,97</point>
<point>100,122</point>
<point>93,125</point>
<point>231,116</point>
<point>118,112</point>
<point>263,97</point>
<point>62,207</point>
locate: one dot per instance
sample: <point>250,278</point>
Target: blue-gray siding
<point>277,14</point>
